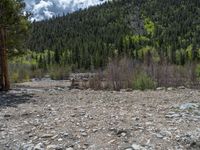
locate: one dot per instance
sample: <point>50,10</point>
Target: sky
<point>44,9</point>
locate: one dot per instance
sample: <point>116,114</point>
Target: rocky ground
<point>48,115</point>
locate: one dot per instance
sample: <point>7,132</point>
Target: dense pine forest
<point>144,30</point>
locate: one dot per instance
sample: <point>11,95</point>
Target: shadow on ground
<point>13,99</point>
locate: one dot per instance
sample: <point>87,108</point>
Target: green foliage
<point>23,68</point>
<point>19,72</point>
<point>38,64</point>
<point>198,71</point>
<point>88,38</point>
<point>149,26</point>
<point>14,22</point>
<point>189,52</point>
<point>14,77</point>
<point>136,39</point>
<point>142,82</point>
<point>148,51</point>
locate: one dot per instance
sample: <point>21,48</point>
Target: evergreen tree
<point>122,28</point>
<point>12,24</point>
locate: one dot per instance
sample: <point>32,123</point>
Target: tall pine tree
<point>13,23</point>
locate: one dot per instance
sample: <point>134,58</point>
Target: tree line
<point>141,29</point>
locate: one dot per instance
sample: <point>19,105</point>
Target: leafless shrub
<point>122,73</point>
<point>166,74</point>
<point>119,73</point>
<point>96,82</point>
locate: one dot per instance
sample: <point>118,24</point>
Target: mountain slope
<point>162,30</point>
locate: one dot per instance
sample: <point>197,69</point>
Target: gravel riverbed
<point>48,115</point>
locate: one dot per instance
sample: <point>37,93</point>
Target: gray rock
<point>125,146</point>
<point>173,115</point>
<point>170,89</point>
<point>195,145</point>
<point>94,130</point>
<point>123,134</point>
<point>189,106</point>
<point>84,134</point>
<point>130,148</point>
<point>7,115</point>
<point>185,139</point>
<point>160,88</point>
<point>65,134</point>
<point>82,130</point>
<point>47,136</point>
<point>70,148</point>
<point>137,147</point>
<point>159,136</point>
<point>39,146</point>
<point>181,87</point>
<point>59,140</point>
<point>27,146</point>
<point>54,147</point>
<point>93,147</point>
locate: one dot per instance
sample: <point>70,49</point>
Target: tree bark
<point>1,71</point>
<point>5,84</point>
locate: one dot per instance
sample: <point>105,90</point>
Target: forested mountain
<point>156,30</point>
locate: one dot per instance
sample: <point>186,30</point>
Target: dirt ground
<point>49,115</point>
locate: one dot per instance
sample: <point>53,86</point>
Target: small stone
<point>94,130</point>
<point>70,148</point>
<point>189,106</point>
<point>148,123</point>
<point>39,146</point>
<point>7,116</point>
<point>27,146</point>
<point>195,145</point>
<point>160,88</point>
<point>170,89</point>
<point>159,136</point>
<point>123,134</point>
<point>130,148</point>
<point>54,147</point>
<point>125,146</point>
<point>73,115</point>
<point>173,115</point>
<point>84,134</point>
<point>47,136</point>
<point>112,141</point>
<point>181,87</point>
<point>136,147</point>
<point>65,135</point>
<point>82,130</point>
<point>54,137</point>
<point>59,140</point>
<point>137,119</point>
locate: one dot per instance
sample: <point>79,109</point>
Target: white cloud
<point>48,14</point>
<point>43,9</point>
<point>42,5</point>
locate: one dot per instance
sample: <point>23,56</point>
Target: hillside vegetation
<point>146,30</point>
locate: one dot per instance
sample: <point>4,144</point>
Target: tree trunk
<point>1,66</point>
<point>4,80</point>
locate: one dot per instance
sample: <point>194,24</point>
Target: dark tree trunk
<point>4,79</point>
